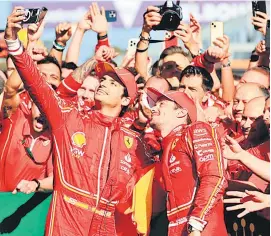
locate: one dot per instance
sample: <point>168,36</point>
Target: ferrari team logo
<point>79,139</point>
<point>128,141</point>
<point>174,143</point>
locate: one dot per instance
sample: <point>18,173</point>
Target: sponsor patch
<point>172,159</point>
<point>202,145</point>
<point>128,158</point>
<point>206,158</point>
<point>175,170</point>
<point>202,152</point>
<point>201,140</point>
<point>46,143</point>
<point>174,143</point>
<point>128,141</point>
<point>79,139</point>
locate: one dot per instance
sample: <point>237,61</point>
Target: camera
<point>171,16</point>
<point>34,15</point>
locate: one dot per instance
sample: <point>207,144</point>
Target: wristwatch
<point>191,229</point>
<point>228,64</point>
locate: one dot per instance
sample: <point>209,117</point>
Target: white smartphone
<point>132,44</point>
<point>217,31</point>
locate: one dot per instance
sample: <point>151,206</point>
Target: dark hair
<point>265,91</point>
<point>69,65</point>
<point>49,60</point>
<point>173,50</point>
<point>207,80</point>
<point>154,68</point>
<point>113,62</point>
<point>133,71</point>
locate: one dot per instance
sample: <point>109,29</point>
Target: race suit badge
<point>128,141</point>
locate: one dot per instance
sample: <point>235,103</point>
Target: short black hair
<point>155,68</point>
<point>48,60</point>
<point>207,80</point>
<point>69,65</point>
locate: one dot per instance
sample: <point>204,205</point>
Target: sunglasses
<point>31,156</point>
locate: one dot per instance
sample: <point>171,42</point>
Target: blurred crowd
<point>142,148</point>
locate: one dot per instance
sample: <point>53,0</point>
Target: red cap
<point>176,96</point>
<point>125,76</point>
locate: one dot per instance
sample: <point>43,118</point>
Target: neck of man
<point>109,111</point>
<point>167,128</point>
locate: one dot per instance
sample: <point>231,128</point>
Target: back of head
<point>259,75</point>
<point>251,90</point>
<point>48,60</point>
<point>158,83</point>
<point>255,106</point>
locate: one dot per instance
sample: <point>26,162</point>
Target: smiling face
<point>252,124</point>
<point>88,88</point>
<point>110,92</point>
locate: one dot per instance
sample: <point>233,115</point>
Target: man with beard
<point>98,161</point>
<point>192,166</point>
<point>26,152</point>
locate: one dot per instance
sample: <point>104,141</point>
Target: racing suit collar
<point>172,134</point>
<point>103,120</point>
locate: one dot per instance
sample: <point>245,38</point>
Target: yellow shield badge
<point>128,141</point>
<point>174,143</point>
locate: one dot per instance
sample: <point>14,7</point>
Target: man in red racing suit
<point>192,167</point>
<point>97,161</point>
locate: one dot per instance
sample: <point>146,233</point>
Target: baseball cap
<point>125,76</point>
<point>178,97</point>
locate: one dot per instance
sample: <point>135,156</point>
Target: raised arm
<point>63,34</point>
<point>151,18</point>
<point>233,151</point>
<point>42,94</point>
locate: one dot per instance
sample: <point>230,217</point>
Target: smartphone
<point>111,15</point>
<point>132,45</point>
<point>217,31</point>
<point>168,43</point>
<point>267,36</point>
<point>34,15</point>
<point>258,6</point>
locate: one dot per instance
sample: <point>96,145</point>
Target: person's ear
<point>125,101</point>
<point>181,113</point>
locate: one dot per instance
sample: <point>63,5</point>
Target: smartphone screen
<point>111,15</point>
<point>217,31</point>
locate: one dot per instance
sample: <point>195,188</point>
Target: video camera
<point>171,16</point>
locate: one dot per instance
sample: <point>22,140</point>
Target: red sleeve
<point>262,151</point>
<point>205,150</point>
<point>101,43</point>
<point>41,93</point>
<point>201,62</point>
<point>68,87</point>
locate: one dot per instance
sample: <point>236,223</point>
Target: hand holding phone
<point>34,15</point>
<point>217,31</point>
<point>258,11</point>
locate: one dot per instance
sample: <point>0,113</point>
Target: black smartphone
<point>34,15</point>
<point>258,6</point>
<point>267,36</point>
<point>111,15</point>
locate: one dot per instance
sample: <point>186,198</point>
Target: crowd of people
<point>135,148</point>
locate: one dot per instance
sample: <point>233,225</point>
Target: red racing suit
<point>97,161</point>
<point>194,179</point>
